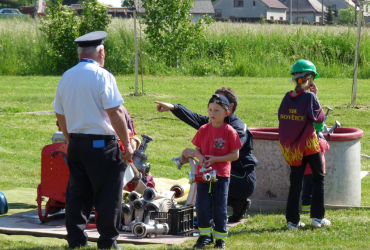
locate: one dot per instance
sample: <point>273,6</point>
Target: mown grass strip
<point>24,135</point>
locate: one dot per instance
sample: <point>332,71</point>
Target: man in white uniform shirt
<point>89,110</point>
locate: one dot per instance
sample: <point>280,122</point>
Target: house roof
<point>304,5</point>
<point>316,5</point>
<point>203,7</point>
<point>274,4</point>
<point>200,7</point>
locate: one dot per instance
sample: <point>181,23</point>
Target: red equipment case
<point>54,179</point>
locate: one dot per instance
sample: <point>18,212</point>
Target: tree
<point>170,30</point>
<point>94,17</point>
<point>262,19</point>
<point>128,3</point>
<point>61,26</point>
<point>59,29</point>
<point>26,2</point>
<point>329,15</point>
<point>347,16</point>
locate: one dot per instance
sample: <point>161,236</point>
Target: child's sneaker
<point>292,226</point>
<point>203,240</point>
<point>320,223</point>
<point>220,244</point>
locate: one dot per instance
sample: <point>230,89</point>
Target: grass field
<point>23,136</point>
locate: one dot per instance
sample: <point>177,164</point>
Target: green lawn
<point>24,135</point>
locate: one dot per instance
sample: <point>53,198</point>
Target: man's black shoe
<point>220,244</point>
<point>203,240</point>
<point>240,207</point>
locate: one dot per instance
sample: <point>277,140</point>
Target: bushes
<point>59,29</point>
<point>61,26</point>
<point>227,49</point>
<point>170,30</point>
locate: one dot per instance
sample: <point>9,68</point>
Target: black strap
<point>93,137</point>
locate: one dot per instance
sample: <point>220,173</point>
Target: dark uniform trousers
<point>296,178</point>
<point>218,199</point>
<point>95,179</point>
<point>242,185</point>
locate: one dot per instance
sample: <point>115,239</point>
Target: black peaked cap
<point>94,38</point>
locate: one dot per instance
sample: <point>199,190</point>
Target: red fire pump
<point>54,179</point>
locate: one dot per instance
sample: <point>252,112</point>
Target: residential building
<point>304,10</point>
<point>250,10</point>
<point>201,8</point>
<point>337,4</point>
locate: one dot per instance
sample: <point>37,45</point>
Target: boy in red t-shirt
<point>217,145</point>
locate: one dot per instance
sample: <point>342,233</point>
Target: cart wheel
<point>39,200</point>
<point>54,206</point>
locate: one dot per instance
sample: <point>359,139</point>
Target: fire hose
<point>193,186</point>
<point>159,205</point>
<point>133,196</point>
<point>180,190</point>
<point>139,209</point>
<point>150,194</point>
<point>139,204</point>
<point>127,210</point>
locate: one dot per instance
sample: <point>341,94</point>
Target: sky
<point>114,3</point>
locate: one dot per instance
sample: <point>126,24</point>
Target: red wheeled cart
<point>54,179</point>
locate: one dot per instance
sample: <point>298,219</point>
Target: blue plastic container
<point>3,204</point>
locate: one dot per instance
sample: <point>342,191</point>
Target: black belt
<point>93,137</point>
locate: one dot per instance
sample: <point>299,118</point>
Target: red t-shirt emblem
<point>219,143</point>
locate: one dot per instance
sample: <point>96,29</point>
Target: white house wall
<point>196,17</point>
<point>277,14</point>
<point>247,11</point>
<point>309,16</point>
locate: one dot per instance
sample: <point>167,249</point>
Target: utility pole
<point>297,11</point>
<point>322,12</point>
<point>290,12</point>
<point>354,85</point>
<point>136,54</point>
